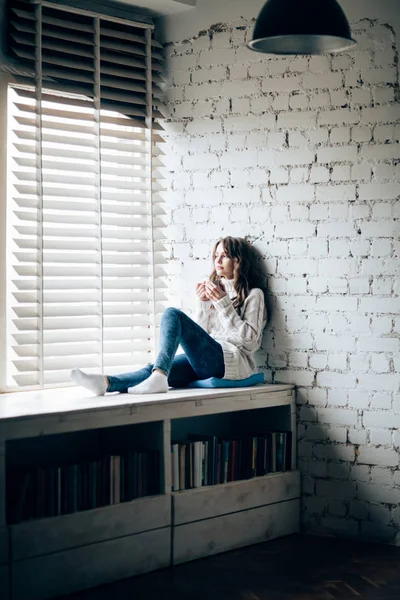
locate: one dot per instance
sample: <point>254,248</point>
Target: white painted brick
<point>221,107</point>
<point>259,69</point>
<point>345,526</point>
<point>317,285</point>
<point>248,87</point>
<point>377,456</point>
<point>378,191</point>
<point>337,361</point>
<point>297,139</point>
<point>293,157</point>
<point>320,100</point>
<point>383,95</point>
<point>337,154</point>
<point>340,116</point>
<point>278,65</point>
<point>339,98</point>
<point>382,286</point>
<point>204,126</point>
<point>342,62</point>
<point>295,193</point>
<point>361,134</point>
<point>239,214</point>
<point>336,489</point>
<point>380,437</point>
<point>200,161</point>
<point>384,133</point>
<point>382,325</point>
<point>318,136</point>
<point>235,141</point>
<point>298,248</point>
<point>224,56</point>
<point>279,175</point>
<point>338,471</point>
<point>280,102</point>
<point>324,342</point>
<point>201,42</point>
<point>337,398</point>
<point>339,135</point>
<point>337,303</point>
<point>384,171</point>
<point>318,212</point>
<point>238,71</point>
<point>248,123</point>
<point>240,195</point>
<point>380,152</point>
<point>276,139</point>
<point>361,96</point>
<point>381,418</point>
<point>303,119</point>
<point>378,344</point>
<point>183,62</point>
<point>259,176</point>
<point>281,84</point>
<point>221,39</point>
<point>203,91</point>
<point>359,362</point>
<point>361,171</point>
<point>317,397</point>
<point>219,178</point>
<point>334,230</point>
<point>379,305</point>
<point>298,101</point>
<point>341,173</point>
<point>357,436</point>
<point>359,323</point>
<point>316,81</point>
<point>385,114</point>
<point>319,64</point>
<point>387,382</point>
<point>339,247</point>
<point>298,64</point>
<point>376,76</point>
<point>299,175</point>
<point>335,416</point>
<point>180,77</point>
<point>360,473</point>
<point>260,104</point>
<point>237,159</point>
<point>297,377</point>
<point>319,174</point>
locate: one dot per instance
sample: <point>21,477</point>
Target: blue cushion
<point>214,382</point>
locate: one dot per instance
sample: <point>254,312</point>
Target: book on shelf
<point>204,460</point>
<point>36,492</point>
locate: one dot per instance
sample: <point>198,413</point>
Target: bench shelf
<point>51,556</point>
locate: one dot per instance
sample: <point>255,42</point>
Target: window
<point>85,226</point>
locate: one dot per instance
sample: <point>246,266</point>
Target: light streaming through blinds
<point>86,228</point>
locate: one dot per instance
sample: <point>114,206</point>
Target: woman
<point>230,321</point>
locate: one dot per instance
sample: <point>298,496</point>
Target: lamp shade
<point>301,27</point>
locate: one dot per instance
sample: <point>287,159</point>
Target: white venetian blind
<point>86,229</point>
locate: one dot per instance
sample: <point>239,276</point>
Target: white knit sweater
<point>239,335</point>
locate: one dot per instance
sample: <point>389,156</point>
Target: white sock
<point>94,383</point>
<point>157,383</point>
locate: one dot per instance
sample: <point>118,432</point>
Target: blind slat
<point>87,253</point>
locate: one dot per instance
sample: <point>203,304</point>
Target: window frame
<point>5,82</point>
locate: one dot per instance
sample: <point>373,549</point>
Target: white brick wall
<point>301,155</point>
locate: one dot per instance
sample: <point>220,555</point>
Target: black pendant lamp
<point>301,27</point>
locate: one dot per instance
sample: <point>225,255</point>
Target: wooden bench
<point>51,556</point>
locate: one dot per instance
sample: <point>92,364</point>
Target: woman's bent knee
<point>171,312</point>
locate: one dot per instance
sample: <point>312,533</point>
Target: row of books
<point>207,460</point>
<point>48,491</point>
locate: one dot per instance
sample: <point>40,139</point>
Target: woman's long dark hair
<point>247,272</point>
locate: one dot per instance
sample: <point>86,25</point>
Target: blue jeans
<point>203,356</point>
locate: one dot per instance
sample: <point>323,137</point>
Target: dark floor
<point>292,568</point>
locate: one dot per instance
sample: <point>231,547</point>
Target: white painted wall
<point>303,156</point>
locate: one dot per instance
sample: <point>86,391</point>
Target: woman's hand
<point>201,292</point>
<point>214,291</point>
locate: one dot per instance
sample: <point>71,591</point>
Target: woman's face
<point>222,263</point>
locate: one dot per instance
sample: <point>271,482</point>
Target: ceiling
<point>162,7</point>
